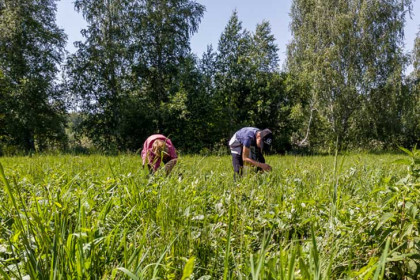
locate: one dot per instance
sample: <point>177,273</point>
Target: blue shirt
<point>247,136</point>
<point>244,137</point>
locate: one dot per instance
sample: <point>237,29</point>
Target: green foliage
<point>188,115</point>
<point>134,75</point>
<point>349,53</point>
<point>249,89</point>
<point>105,217</point>
<point>128,67</point>
<point>31,49</point>
<point>232,88</point>
<point>416,56</point>
<point>410,113</point>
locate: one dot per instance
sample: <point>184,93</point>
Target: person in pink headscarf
<point>156,149</point>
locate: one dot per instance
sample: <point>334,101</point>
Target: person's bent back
<point>247,145</point>
<point>156,149</point>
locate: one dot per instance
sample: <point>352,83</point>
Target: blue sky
<point>218,12</point>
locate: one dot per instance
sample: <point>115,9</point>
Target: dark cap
<point>267,138</point>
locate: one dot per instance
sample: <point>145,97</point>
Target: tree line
<point>344,83</point>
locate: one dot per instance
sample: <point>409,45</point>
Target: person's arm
<point>153,161</point>
<point>144,153</point>
<point>246,158</point>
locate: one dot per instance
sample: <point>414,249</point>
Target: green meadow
<point>352,216</point>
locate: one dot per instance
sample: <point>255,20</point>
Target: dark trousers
<point>238,164</point>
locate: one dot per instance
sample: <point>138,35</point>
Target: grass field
<point>319,217</point>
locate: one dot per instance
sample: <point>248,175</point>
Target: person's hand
<point>265,167</point>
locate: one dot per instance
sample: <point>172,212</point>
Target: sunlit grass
<point>104,217</point>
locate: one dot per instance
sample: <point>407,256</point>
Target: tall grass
<point>97,217</point>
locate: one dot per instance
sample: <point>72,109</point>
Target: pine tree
<point>233,64</point>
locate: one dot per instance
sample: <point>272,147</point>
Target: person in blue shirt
<point>247,145</point>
